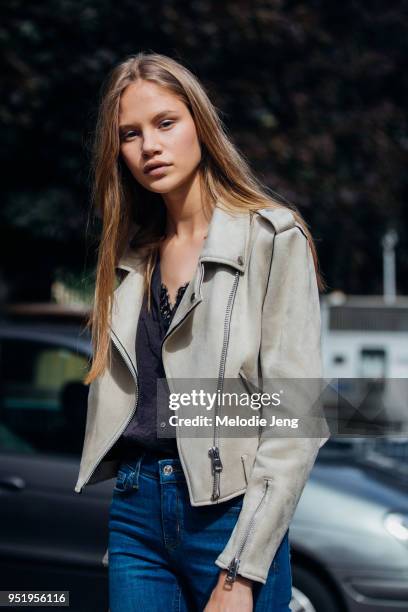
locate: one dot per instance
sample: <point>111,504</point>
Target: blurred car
<point>50,537</point>
<point>349,535</point>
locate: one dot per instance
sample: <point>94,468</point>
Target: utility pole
<point>389,241</point>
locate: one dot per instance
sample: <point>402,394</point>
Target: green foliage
<point>313,93</point>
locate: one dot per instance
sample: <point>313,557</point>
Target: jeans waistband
<point>157,467</point>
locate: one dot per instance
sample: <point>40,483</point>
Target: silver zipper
<point>214,451</point>
<point>126,358</point>
<point>234,564</point>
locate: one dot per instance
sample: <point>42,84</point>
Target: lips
<point>157,167</point>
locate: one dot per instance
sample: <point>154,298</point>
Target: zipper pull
<point>232,571</point>
<point>216,487</point>
<point>214,453</point>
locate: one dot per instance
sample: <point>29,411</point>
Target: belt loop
<point>136,473</point>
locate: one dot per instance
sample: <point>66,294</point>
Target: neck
<point>186,218</point>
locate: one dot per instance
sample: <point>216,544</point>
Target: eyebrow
<point>157,116</point>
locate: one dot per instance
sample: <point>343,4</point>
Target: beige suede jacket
<point>252,310</point>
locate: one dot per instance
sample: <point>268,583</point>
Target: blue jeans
<point>162,549</point>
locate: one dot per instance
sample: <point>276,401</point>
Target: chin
<point>159,188</point>
<point>164,186</point>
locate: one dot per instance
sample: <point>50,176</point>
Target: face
<point>156,127</point>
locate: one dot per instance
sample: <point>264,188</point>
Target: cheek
<point>131,159</point>
<point>128,156</point>
<point>188,147</point>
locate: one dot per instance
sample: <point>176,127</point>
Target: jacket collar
<point>227,242</point>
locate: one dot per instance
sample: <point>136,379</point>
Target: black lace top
<point>140,433</point>
<point>166,310</point>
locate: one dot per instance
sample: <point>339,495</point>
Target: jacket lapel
<point>227,243</point>
<point>228,239</point>
<point>125,312</point>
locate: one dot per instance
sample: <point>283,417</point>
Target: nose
<point>150,145</point>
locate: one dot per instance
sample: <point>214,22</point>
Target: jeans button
<point>168,469</point>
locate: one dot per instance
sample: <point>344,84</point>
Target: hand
<point>235,597</point>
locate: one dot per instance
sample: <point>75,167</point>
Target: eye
<point>126,135</point>
<point>167,121</point>
<point>133,133</point>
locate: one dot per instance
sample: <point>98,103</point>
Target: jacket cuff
<point>224,565</point>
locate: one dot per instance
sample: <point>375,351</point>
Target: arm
<point>290,349</point>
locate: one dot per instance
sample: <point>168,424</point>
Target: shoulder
<point>279,219</point>
<point>278,238</point>
<point>274,230</point>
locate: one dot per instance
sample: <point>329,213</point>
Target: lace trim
<point>165,307</point>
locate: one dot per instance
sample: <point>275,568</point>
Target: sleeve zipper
<point>234,564</point>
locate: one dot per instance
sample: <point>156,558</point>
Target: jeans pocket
<point>127,478</point>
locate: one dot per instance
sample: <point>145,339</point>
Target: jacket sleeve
<point>290,349</point>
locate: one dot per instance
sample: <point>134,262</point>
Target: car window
<point>42,399</point>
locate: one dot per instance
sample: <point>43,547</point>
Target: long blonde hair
<point>122,203</point>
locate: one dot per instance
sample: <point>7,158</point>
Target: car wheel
<point>309,594</point>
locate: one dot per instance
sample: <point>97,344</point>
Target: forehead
<point>144,99</point>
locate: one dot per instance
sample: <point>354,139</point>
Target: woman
<point>219,281</point>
